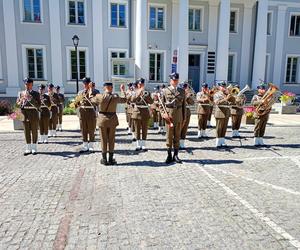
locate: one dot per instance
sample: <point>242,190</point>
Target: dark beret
<point>106,84</point>
<point>27,80</point>
<point>204,85</point>
<point>42,86</point>
<point>140,80</point>
<point>50,85</point>
<point>174,76</point>
<point>86,80</point>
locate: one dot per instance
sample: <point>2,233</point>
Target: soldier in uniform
<point>45,114</point>
<point>205,102</point>
<point>61,98</point>
<point>141,114</point>
<point>154,107</point>
<point>130,92</point>
<point>54,99</point>
<point>87,115</point>
<point>211,109</point>
<point>161,121</point>
<point>222,100</point>
<point>260,120</point>
<point>93,87</point>
<point>173,111</point>
<point>127,108</point>
<point>237,112</point>
<point>29,101</point>
<point>189,98</point>
<point>108,120</point>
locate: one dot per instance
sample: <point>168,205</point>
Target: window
<point>156,67</point>
<point>35,64</point>
<point>80,65</point>
<point>119,67</point>
<point>230,76</point>
<point>233,21</point>
<point>32,11</point>
<point>76,12</point>
<point>295,25</point>
<point>291,69</point>
<point>267,69</point>
<point>269,23</point>
<point>195,19</point>
<point>157,18</point>
<point>118,15</point>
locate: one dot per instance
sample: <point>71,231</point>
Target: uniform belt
<point>142,106</point>
<point>190,106</point>
<point>53,105</point>
<point>29,107</point>
<point>107,113</point>
<point>87,107</point>
<point>44,106</point>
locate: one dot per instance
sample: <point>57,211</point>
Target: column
<point>223,41</point>
<point>175,21</point>
<point>280,34</point>
<point>212,32</point>
<point>260,49</point>
<point>246,41</point>
<point>55,38</point>
<point>98,42</point>
<point>183,40</point>
<point>141,49</point>
<point>11,47</point>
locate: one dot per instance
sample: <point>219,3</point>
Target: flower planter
<point>290,109</point>
<point>248,120</point>
<point>287,103</point>
<point>18,125</point>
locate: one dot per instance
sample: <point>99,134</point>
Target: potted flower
<point>249,115</point>
<point>17,118</point>
<point>287,98</point>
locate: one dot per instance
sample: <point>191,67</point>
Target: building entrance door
<point>194,71</point>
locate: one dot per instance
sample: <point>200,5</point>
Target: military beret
<point>140,80</point>
<point>204,85</point>
<point>50,85</point>
<point>185,85</point>
<point>57,87</point>
<point>174,76</point>
<point>86,80</point>
<point>27,80</point>
<point>261,86</point>
<point>106,84</point>
<point>222,84</point>
<point>42,86</point>
<point>129,84</point>
<point>163,86</point>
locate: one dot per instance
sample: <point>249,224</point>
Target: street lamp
<point>75,39</point>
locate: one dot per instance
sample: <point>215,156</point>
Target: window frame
<point>25,62</point>
<point>237,19</point>
<point>163,52</point>
<point>158,5</point>
<point>234,67</point>
<point>118,50</point>
<point>290,19</point>
<point>67,14</point>
<point>297,73</point>
<point>69,65</point>
<point>201,8</point>
<point>271,24</point>
<point>1,70</point>
<point>22,16</point>
<point>123,2</point>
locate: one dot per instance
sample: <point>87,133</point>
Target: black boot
<point>111,160</point>
<point>169,158</point>
<point>175,157</point>
<point>104,159</point>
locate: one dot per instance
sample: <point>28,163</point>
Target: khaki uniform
<point>260,120</point>
<point>174,100</point>
<point>129,111</point>
<point>30,111</point>
<point>154,106</point>
<point>87,115</point>
<point>203,110</point>
<point>107,119</point>
<point>221,114</point>
<point>141,113</point>
<point>54,99</point>
<point>186,121</point>
<point>45,114</point>
<point>237,112</point>
<point>61,98</point>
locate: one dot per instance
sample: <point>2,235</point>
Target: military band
<point>170,108</point>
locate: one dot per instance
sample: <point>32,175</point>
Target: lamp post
<point>75,39</point>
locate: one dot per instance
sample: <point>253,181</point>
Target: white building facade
<point>243,41</point>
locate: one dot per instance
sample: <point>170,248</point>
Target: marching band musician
<point>222,100</point>
<point>61,98</point>
<point>141,114</point>
<point>45,114</point>
<point>161,120</point>
<point>108,120</point>
<point>173,110</point>
<point>129,110</point>
<point>155,107</point>
<point>54,99</point>
<point>204,100</point>
<point>237,112</point>
<point>260,120</point>
<point>189,98</point>
<point>87,115</point>
<point>29,101</point>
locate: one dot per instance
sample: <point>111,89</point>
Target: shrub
<point>69,111</point>
<point>5,107</point>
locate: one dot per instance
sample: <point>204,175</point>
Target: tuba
<point>268,100</point>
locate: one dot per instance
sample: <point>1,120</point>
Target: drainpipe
<point>254,38</point>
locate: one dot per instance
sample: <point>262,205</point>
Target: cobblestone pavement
<point>237,198</point>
